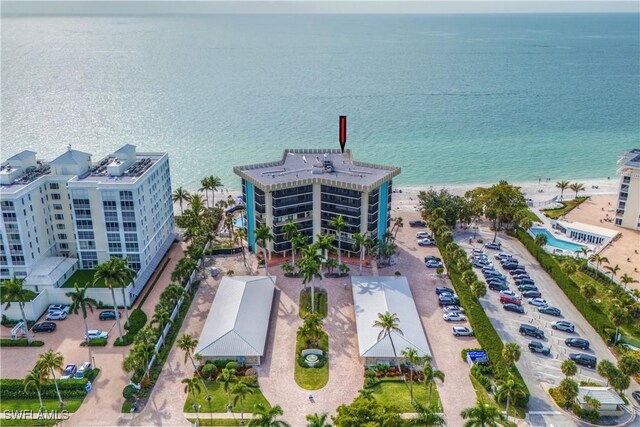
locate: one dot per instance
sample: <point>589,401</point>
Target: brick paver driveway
<point>345,368</point>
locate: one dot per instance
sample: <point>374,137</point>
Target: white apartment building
<point>628,209</point>
<point>71,208</point>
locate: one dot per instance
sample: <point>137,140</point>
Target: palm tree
<point>576,186</point>
<point>338,224</point>
<point>263,235</point>
<point>80,301</point>
<point>214,184</point>
<point>366,393</point>
<point>562,185</point>
<point>291,232</point>
<point>161,316</point>
<point>318,420</point>
<point>625,279</point>
<point>34,380</point>
<point>541,240</point>
<point>430,376</point>
<point>241,234</point>
<point>192,386</point>
<point>482,415</point>
<point>598,259</point>
<point>206,186</point>
<point>311,328</point>
<point>569,368</point>
<point>241,391</point>
<point>360,241</point>
<point>227,377</point>
<point>511,352</point>
<point>310,269</point>
<point>411,355</point>
<point>13,291</point>
<point>613,270</point>
<point>324,243</point>
<point>180,195</point>
<point>139,357</point>
<point>50,362</point>
<point>188,344</point>
<point>113,273</point>
<point>427,417</point>
<point>584,251</point>
<point>510,390</point>
<point>264,417</point>
<point>397,225</point>
<point>388,323</point>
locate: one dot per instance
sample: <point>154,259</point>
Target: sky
<point>128,7</point>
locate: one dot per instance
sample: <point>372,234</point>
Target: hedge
<point>137,320</point>
<point>598,320</point>
<point>96,342</point>
<point>69,389</point>
<point>20,342</point>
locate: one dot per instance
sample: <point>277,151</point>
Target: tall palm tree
<point>625,279</point>
<point>510,390</point>
<point>430,376</point>
<point>598,259</point>
<point>50,362</point>
<point>482,415</point>
<point>310,269</point>
<point>241,234</point>
<point>298,241</point>
<point>318,420</point>
<point>388,323</point>
<point>161,316</point>
<point>115,273</point>
<point>264,417</point>
<point>397,225</point>
<point>13,291</point>
<point>81,302</point>
<point>324,243</point>
<point>227,377</point>
<point>34,380</point>
<point>264,235</point>
<point>291,232</point>
<point>426,417</point>
<point>411,355</point>
<point>613,270</point>
<point>576,186</point>
<point>192,386</point>
<point>511,352</point>
<point>241,391</point>
<point>338,224</point>
<point>188,344</point>
<point>562,185</point>
<point>584,251</point>
<point>180,195</point>
<point>214,184</point>
<point>206,186</point>
<point>360,241</point>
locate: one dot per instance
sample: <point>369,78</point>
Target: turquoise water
<point>552,241</point>
<point>449,98</point>
<point>239,222</point>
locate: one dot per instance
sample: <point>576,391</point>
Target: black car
<point>498,286</point>
<point>532,331</point>
<point>108,315</point>
<point>584,359</point>
<point>519,275</point>
<point>417,223</point>
<point>537,347</point>
<point>510,266</point>
<point>448,301</point>
<point>531,294</point>
<point>552,311</point>
<point>442,290</point>
<point>577,342</point>
<point>44,327</point>
<point>525,281</point>
<point>514,307</point>
<point>523,288</point>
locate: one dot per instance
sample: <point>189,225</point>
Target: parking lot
<point>538,369</point>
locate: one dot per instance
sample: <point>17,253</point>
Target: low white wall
<point>32,309</point>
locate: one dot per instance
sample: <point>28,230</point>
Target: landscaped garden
<point>84,278</point>
<point>397,392</point>
<point>311,370</point>
<point>567,207</point>
<point>219,397</point>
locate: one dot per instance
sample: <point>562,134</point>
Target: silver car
<point>563,325</point>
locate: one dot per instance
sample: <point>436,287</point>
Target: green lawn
<point>311,378</point>
<point>391,391</point>
<point>71,405</point>
<point>320,301</point>
<point>532,216</point>
<point>567,207</point>
<point>18,423</point>
<point>219,400</point>
<point>204,421</point>
<point>83,278</point>
<point>481,393</point>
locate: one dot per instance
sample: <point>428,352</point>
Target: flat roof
<point>630,158</point>
<point>49,270</point>
<point>379,294</point>
<point>604,395</point>
<point>588,228</point>
<point>138,169</point>
<point>238,321</point>
<point>306,166</point>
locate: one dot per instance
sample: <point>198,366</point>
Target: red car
<point>508,299</point>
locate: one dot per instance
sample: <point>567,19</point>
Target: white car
<point>95,333</point>
<point>462,331</point>
<point>478,252</point>
<point>511,294</point>
<point>630,347</point>
<point>453,309</point>
<point>538,302</point>
<point>59,307</point>
<point>422,235</point>
<point>454,317</point>
<point>56,315</point>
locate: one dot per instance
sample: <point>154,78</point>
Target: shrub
<point>251,372</point>
<point>483,380</point>
<point>251,381</point>
<point>96,342</point>
<point>129,392</point>
<point>20,342</point>
<point>137,320</point>
<point>69,389</point>
<point>221,364</point>
<point>209,371</point>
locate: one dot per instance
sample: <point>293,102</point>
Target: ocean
<point>450,98</point>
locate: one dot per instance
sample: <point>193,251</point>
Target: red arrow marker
<point>343,132</point>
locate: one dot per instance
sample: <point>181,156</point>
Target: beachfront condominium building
<point>312,187</point>
<point>628,209</point>
<point>72,208</point>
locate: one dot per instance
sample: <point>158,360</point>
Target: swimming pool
<point>239,222</point>
<point>556,243</point>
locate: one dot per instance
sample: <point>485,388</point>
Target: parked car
<point>44,327</point>
<point>577,342</point>
<point>538,347</point>
<point>422,235</point>
<point>431,257</point>
<point>478,252</point>
<point>584,359</point>
<point>552,311</point>
<point>636,396</point>
<point>523,288</point>
<point>524,281</point>
<point>630,347</point>
<point>495,275</point>
<point>448,301</point>
<point>510,293</point>
<point>538,302</point>
<point>519,275</point>
<point>530,330</point>
<point>82,370</point>
<point>426,242</point>
<point>498,286</point>
<point>531,294</point>
<point>95,333</point>
<point>417,223</point>
<point>433,264</point>
<point>517,271</point>
<point>444,290</point>
<point>513,307</point>
<point>508,299</point>
<point>510,266</point>
<point>446,295</point>
<point>454,317</point>
<point>58,307</point>
<point>462,331</point>
<point>502,255</point>
<point>56,315</point>
<point>453,309</point>
<point>108,315</point>
<point>563,325</point>
<point>69,371</point>
<point>493,245</point>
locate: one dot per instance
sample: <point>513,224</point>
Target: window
<point>57,207</point>
<point>130,237</point>
<point>129,226</point>
<point>84,224</point>
<point>85,235</point>
<point>128,216</point>
<point>60,226</point>
<point>115,247</point>
<point>62,236</point>
<point>87,244</point>
<point>55,196</point>
<point>81,203</point>
<point>17,259</point>
<point>110,205</point>
<point>126,205</point>
<point>59,217</point>
<point>54,186</point>
<point>113,237</point>
<point>64,246</point>
<point>132,247</point>
<point>126,195</point>
<point>9,216</point>
<point>112,226</point>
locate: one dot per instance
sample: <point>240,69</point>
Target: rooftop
<point>630,158</point>
<point>311,166</point>
<point>49,270</point>
<point>14,179</point>
<point>112,169</point>
<point>604,395</point>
